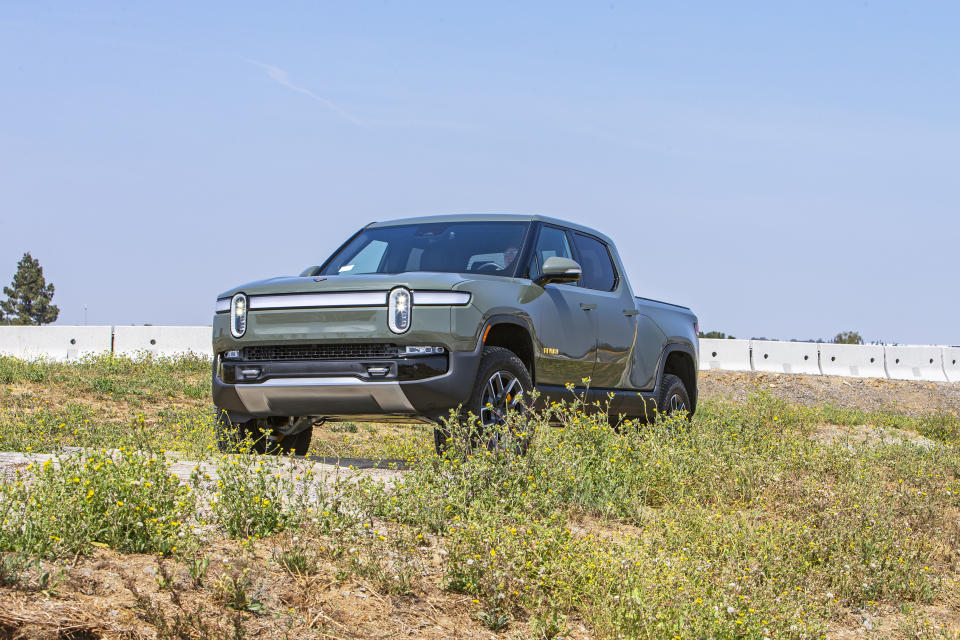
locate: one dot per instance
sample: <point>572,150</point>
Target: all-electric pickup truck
<point>412,318</point>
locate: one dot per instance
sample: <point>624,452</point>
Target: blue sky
<point>789,170</point>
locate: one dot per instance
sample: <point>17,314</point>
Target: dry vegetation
<point>762,517</point>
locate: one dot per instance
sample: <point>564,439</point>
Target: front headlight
<point>238,315</point>
<point>399,310</point>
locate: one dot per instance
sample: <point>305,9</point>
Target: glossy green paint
<point>613,338</point>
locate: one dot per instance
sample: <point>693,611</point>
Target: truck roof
<point>492,217</point>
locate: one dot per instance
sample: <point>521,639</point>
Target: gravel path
<point>11,461</point>
<point>865,394</point>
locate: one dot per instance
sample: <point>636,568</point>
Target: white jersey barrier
<point>162,341</point>
<point>785,357</point>
<point>951,363</point>
<point>929,363</point>
<point>915,363</point>
<point>852,360</point>
<point>731,355</point>
<point>54,343</point>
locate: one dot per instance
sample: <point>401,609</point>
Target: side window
<point>598,271</point>
<point>552,242</point>
<point>367,260</point>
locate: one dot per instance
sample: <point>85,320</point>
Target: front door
<point>566,319</point>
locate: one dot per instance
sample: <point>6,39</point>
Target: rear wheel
<point>261,435</point>
<point>297,444</point>
<point>501,387</point>
<point>673,397</point>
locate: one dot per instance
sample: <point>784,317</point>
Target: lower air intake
<point>320,352</point>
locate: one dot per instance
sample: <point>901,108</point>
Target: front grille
<point>320,351</point>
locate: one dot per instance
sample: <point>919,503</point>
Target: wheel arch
<point>678,359</point>
<point>515,334</point>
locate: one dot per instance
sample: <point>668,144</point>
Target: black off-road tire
<point>493,361</point>
<point>441,437</point>
<point>298,444</point>
<point>230,435</point>
<point>673,396</point>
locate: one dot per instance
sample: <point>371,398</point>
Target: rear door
<point>611,302</point>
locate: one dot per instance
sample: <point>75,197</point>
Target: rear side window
<point>598,271</point>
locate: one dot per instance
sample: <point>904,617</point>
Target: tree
<point>847,337</point>
<point>715,334</point>
<point>29,295</point>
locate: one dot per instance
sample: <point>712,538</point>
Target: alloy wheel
<point>501,394</point>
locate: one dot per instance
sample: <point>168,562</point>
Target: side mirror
<point>309,272</point>
<point>559,270</point>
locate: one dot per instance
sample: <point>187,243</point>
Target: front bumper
<point>347,390</point>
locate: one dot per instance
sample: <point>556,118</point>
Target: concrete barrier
<point>915,363</point>
<point>731,355</point>
<point>53,343</point>
<point>852,360</point>
<point>951,363</point>
<point>162,341</point>
<point>785,357</point>
<point>937,364</point>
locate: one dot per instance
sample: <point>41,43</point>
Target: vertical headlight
<point>238,315</point>
<point>399,310</point>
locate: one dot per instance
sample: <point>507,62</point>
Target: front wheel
<point>500,390</point>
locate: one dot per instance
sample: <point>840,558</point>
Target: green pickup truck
<point>412,318</point>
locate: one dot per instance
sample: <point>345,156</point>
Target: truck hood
<point>372,282</point>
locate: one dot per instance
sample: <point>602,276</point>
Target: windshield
<point>451,247</point>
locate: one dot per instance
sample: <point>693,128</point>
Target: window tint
<point>454,247</point>
<point>552,242</point>
<point>598,272</point>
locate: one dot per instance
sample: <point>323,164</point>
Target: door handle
<point>630,312</point>
<point>587,306</point>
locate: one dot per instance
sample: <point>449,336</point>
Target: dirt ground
<point>109,595</point>
<point>865,394</point>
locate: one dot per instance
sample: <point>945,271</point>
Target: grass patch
<point>126,500</point>
<point>736,524</point>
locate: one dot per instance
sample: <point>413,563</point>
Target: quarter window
<point>598,271</point>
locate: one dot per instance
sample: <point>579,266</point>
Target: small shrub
<point>494,620</point>
<point>197,567</point>
<point>297,558</point>
<point>548,625</point>
<point>13,567</point>
<point>127,501</point>
<point>233,590</point>
<point>256,496</point>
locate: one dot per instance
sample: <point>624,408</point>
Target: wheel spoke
<point>484,415</point>
<point>490,396</point>
<point>676,404</point>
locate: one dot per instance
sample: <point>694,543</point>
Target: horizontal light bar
<point>424,298</point>
<point>345,299</point>
<point>304,300</point>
